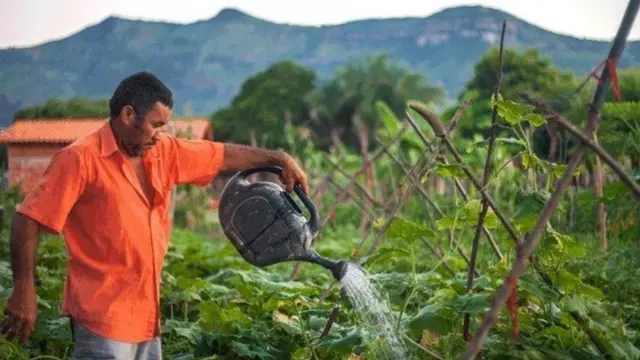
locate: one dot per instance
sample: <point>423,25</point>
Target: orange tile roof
<point>69,130</point>
<point>49,130</point>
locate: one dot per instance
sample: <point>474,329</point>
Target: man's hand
<point>21,313</point>
<point>292,174</point>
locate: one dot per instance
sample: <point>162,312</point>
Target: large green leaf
<point>434,318</point>
<point>410,231</point>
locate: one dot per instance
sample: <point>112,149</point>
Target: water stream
<point>375,312</point>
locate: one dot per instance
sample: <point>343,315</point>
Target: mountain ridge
<point>231,9</point>
<point>205,61</point>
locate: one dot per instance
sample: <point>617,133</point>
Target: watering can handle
<point>313,211</point>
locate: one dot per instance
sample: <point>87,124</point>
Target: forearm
<point>23,246</point>
<point>241,157</point>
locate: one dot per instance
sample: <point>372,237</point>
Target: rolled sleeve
<point>53,198</point>
<point>196,161</point>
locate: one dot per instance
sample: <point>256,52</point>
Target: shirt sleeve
<point>54,196</point>
<point>196,161</point>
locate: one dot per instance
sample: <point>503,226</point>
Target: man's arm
<point>199,161</point>
<point>45,208</point>
<point>241,157</point>
<point>24,239</point>
<point>22,306</point>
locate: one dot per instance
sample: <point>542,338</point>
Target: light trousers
<point>91,346</point>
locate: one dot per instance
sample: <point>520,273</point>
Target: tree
<point>78,107</point>
<point>525,71</point>
<point>265,102</point>
<point>521,71</point>
<point>345,105</point>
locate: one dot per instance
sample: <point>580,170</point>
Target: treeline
<point>342,110</point>
<point>79,107</point>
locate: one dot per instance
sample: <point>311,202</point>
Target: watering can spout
<point>338,268</point>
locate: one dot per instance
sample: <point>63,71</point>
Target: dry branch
<point>427,166</point>
<point>438,255</point>
<point>354,197</point>
<point>433,119</point>
<point>434,355</point>
<point>405,196</point>
<point>463,192</point>
<point>384,210</point>
<point>325,181</point>
<point>602,153</point>
<point>485,180</point>
<point>366,192</point>
<point>333,315</point>
<point>451,126</point>
<point>433,204</point>
<point>406,172</point>
<point>352,179</point>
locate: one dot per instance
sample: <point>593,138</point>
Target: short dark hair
<point>141,91</point>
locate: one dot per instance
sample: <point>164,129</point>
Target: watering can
<point>265,224</point>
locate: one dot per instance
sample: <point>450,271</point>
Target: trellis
<point>416,174</point>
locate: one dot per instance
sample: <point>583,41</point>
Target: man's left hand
<point>292,174</point>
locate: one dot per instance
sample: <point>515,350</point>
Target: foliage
<point>286,95</point>
<point>216,306</point>
<point>528,71</point>
<point>264,103</point>
<point>621,129</point>
<point>351,96</point>
<point>79,107</point>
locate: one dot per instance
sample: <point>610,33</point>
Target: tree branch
<point>602,153</point>
<point>485,180</point>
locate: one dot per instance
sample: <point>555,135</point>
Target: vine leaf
<point>408,230</point>
<point>511,111</point>
<point>534,119</point>
<point>449,171</point>
<point>467,217</point>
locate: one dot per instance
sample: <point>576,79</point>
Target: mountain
<point>205,62</point>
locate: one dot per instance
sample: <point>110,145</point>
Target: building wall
<point>27,163</point>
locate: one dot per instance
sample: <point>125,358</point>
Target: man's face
<point>142,132</point>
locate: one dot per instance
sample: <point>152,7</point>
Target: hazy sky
<point>29,22</point>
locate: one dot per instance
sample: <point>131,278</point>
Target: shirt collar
<point>107,141</point>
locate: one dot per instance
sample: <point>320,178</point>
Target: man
<point>109,195</point>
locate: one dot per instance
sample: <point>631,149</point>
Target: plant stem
<point>485,179</point>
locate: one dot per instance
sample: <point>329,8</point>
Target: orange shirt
<point>116,240</point>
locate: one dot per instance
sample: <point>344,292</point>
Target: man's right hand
<point>21,313</point>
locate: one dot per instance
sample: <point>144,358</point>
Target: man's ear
<point>128,115</point>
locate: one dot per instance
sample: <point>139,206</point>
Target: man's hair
<point>141,91</point>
